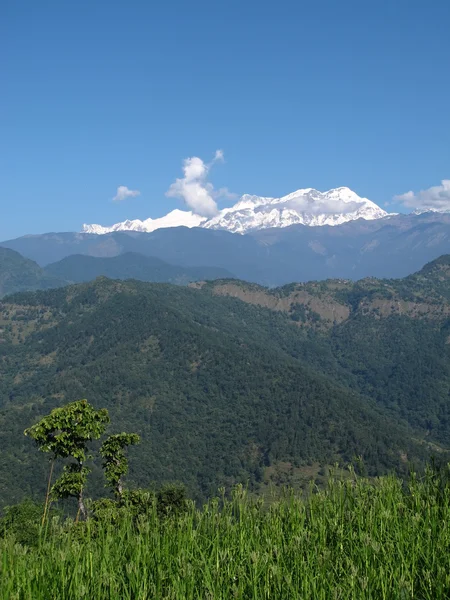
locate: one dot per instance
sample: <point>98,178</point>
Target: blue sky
<point>320,94</point>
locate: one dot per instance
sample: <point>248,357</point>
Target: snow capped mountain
<point>305,207</point>
<point>423,211</point>
<point>176,218</point>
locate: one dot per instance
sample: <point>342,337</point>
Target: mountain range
<point>229,381</point>
<point>305,207</point>
<point>394,246</point>
<point>306,235</point>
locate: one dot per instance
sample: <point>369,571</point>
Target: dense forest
<point>266,385</point>
<point>20,274</point>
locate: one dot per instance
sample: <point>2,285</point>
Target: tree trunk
<point>81,506</point>
<point>47,496</point>
<point>120,489</point>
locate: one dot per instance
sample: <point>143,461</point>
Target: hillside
<point>80,268</point>
<point>18,274</point>
<point>226,389</point>
<point>323,304</point>
<point>391,337</point>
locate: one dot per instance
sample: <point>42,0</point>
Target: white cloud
<point>218,156</point>
<point>436,197</point>
<point>224,192</point>
<point>328,206</point>
<point>123,193</point>
<point>195,189</point>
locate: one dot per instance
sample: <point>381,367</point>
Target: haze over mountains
<point>19,274</point>
<point>394,246</point>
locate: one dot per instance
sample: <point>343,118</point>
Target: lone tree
<point>115,462</point>
<point>65,433</point>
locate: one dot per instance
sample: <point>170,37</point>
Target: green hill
<point>390,338</point>
<point>269,383</point>
<point>18,274</point>
<point>79,268</point>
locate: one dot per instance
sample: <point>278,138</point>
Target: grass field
<point>355,539</point>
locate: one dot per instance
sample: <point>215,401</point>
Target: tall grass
<point>356,539</point>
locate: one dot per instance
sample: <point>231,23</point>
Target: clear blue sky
<point>96,94</point>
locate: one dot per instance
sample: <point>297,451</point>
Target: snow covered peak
<point>305,206</point>
<point>422,211</point>
<point>176,218</point>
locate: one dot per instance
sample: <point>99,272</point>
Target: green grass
<point>355,539</point>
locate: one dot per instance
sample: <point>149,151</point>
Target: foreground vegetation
<point>355,539</point>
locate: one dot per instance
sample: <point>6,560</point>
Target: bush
<point>171,500</point>
<point>23,522</point>
<point>134,503</point>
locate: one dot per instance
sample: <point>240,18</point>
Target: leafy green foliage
<point>115,462</point>
<point>171,499</point>
<point>65,433</point>
<point>71,482</point>
<point>22,521</point>
<point>66,430</point>
<point>133,505</point>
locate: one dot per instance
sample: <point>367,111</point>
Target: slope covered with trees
<point>19,274</point>
<point>223,389</point>
<point>390,338</point>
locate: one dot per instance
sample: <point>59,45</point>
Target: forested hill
<point>224,390</point>
<point>19,274</point>
<point>391,336</point>
<point>425,294</point>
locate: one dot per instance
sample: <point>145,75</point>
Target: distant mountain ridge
<point>78,268</point>
<point>19,274</point>
<point>395,246</point>
<point>305,207</point>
